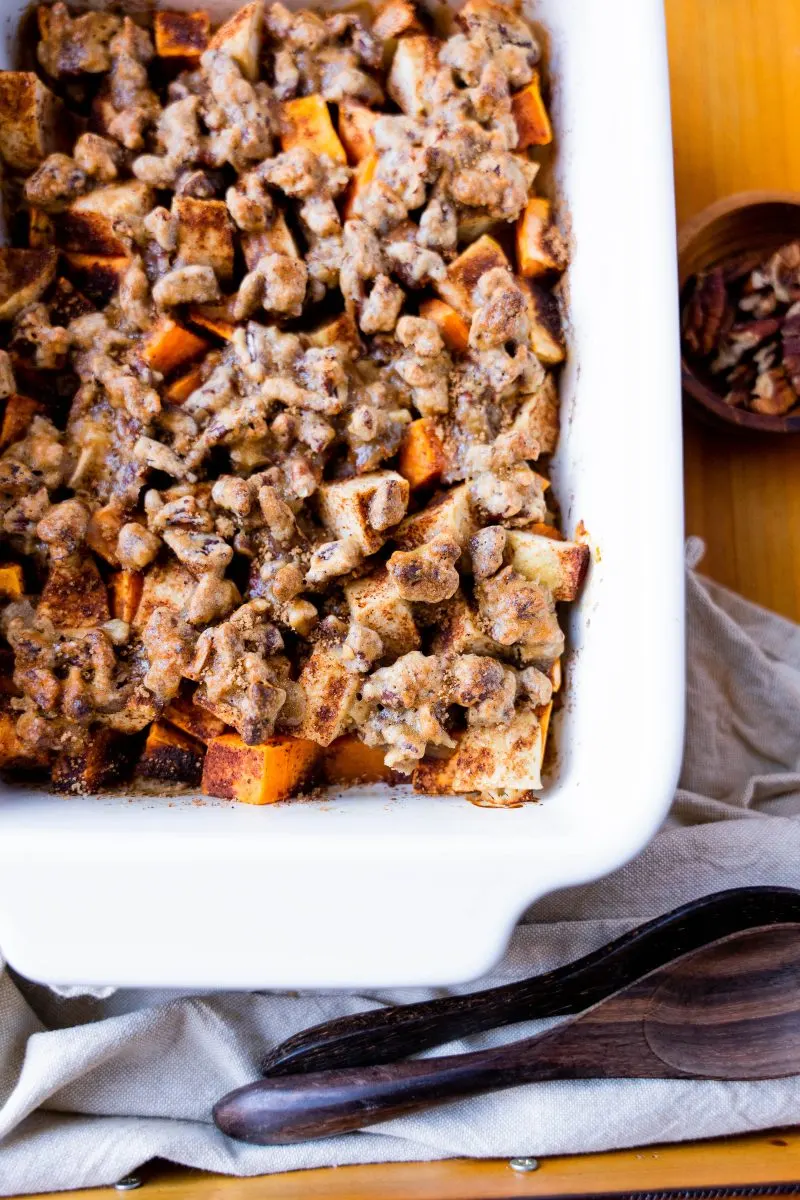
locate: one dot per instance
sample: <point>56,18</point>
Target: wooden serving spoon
<point>388,1034</point>
<point>728,1011</point>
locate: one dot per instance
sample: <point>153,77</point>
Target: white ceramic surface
<point>384,888</point>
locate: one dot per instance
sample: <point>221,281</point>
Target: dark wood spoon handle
<point>389,1034</point>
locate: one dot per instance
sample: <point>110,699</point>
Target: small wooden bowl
<point>758,222</point>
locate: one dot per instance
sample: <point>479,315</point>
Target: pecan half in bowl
<point>739,269</point>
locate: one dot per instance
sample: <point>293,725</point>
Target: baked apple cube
<point>24,275</point>
<point>307,122</point>
<point>106,220</point>
<point>449,513</point>
<point>540,248</point>
<point>74,595</point>
<point>346,506</point>
<point>104,526</point>
<point>415,62</point>
<point>274,770</point>
<point>530,116</point>
<point>374,601</point>
<point>459,632</point>
<point>544,314</point>
<point>330,690</point>
<point>97,276</point>
<point>538,416</point>
<point>99,763</point>
<point>338,330</point>
<point>355,125</point>
<point>171,756</point>
<point>41,230</point>
<point>205,236</point>
<point>29,120</point>
<point>240,38</point>
<point>395,17</point>
<point>182,35</point>
<point>491,759</point>
<point>166,585</point>
<point>458,286</point>
<point>277,239</point>
<point>558,566</point>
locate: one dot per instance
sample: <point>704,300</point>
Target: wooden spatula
<point>730,1010</point>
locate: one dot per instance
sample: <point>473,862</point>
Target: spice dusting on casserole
<point>279,394</point>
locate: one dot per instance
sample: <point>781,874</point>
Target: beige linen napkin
<point>90,1088</point>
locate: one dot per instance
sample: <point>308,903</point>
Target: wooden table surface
<point>735,68</point>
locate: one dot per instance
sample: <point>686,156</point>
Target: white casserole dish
<point>385,888</point>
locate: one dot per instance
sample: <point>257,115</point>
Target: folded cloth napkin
<point>91,1088</point>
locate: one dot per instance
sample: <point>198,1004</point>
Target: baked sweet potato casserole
<point>280,342</point>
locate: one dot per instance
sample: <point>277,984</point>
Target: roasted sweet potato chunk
<point>29,120</point>
<point>530,116</point>
<point>275,770</point>
<point>214,318</point>
<point>101,536</point>
<point>14,753</point>
<point>197,722</point>
<point>422,458</point>
<point>24,275</point>
<point>540,248</point>
<point>362,178</point>
<point>170,345</point>
<point>41,230</point>
<point>348,762</point>
<point>181,388</point>
<point>125,592</point>
<point>98,277</point>
<point>451,325</point>
<point>12,583</point>
<point>17,416</point>
<point>171,756</point>
<point>182,35</point>
<point>355,130</point>
<point>307,122</point>
<point>74,596</point>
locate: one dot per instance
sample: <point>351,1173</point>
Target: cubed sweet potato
<point>451,325</point>
<point>500,759</point>
<point>545,530</point>
<point>362,178</point>
<point>100,762</point>
<point>170,345</point>
<point>74,596</point>
<point>240,38</point>
<point>344,507</point>
<point>330,690</point>
<point>544,314</point>
<point>307,122</point>
<point>181,35</point>
<point>205,234</point>
<point>347,762</point>
<point>214,318</point>
<point>540,248</point>
<point>181,388</point>
<point>66,303</point>
<point>96,276</point>
<point>374,601</point>
<point>12,583</point>
<point>276,239</point>
<point>17,416</point>
<point>457,288</point>
<point>422,458</point>
<point>197,722</point>
<point>125,592</point>
<point>559,566</point>
<point>415,64</point>
<point>171,756</point>
<point>275,770</point>
<point>395,17</point>
<point>41,230</point>
<point>24,275</point>
<point>30,116</point>
<point>101,536</point>
<point>14,753</point>
<point>531,116</point>
<point>355,130</point>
